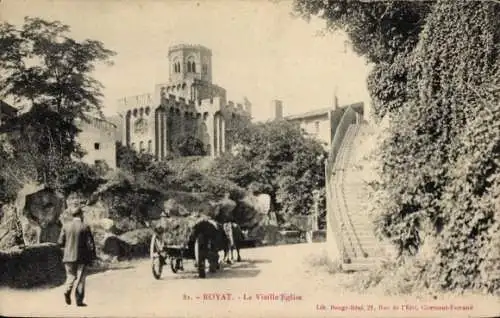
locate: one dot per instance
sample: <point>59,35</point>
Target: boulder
<point>100,236</point>
<point>266,234</point>
<point>173,208</point>
<point>115,247</point>
<point>125,225</point>
<point>139,241</point>
<point>10,228</point>
<point>127,245</point>
<point>105,224</point>
<point>252,211</point>
<point>40,210</point>
<point>96,211</point>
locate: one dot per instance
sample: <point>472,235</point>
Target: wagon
<point>173,255</point>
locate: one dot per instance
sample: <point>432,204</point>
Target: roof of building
<point>312,113</point>
<point>91,117</point>
<point>322,111</point>
<point>189,46</point>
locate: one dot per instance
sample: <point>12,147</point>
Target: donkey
<point>235,237</point>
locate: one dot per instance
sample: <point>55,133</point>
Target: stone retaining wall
<point>32,266</point>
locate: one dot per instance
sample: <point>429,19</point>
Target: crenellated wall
<point>157,130</point>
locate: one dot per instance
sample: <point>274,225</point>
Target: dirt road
<point>252,288</point>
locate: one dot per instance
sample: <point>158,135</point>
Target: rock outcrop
<point>129,245</point>
<point>39,210</point>
<point>11,233</point>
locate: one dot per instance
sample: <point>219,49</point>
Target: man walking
<point>79,252</point>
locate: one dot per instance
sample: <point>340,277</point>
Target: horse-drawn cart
<point>201,245</point>
<point>173,255</point>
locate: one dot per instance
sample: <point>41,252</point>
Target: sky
<point>258,49</point>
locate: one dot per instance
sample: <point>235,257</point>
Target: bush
<point>191,146</point>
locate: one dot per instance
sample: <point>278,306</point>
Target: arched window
<point>141,146</point>
<point>191,65</point>
<point>150,146</point>
<point>205,69</point>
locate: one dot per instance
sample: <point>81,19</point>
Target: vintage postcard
<point>253,158</point>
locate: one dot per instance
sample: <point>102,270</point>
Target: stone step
<point>360,253</point>
<point>357,267</point>
<point>361,224</point>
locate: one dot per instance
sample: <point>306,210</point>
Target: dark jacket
<point>78,242</point>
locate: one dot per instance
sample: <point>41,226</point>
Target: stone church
<point>188,105</point>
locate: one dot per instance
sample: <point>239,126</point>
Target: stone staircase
<point>347,195</point>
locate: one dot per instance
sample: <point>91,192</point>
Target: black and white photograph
<point>249,158</point>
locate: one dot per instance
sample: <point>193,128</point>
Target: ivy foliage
<point>440,162</point>
<point>384,32</point>
<point>441,159</point>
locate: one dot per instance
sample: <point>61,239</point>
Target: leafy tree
<point>384,32</point>
<point>42,65</point>
<point>278,159</point>
<point>44,143</point>
<point>130,160</point>
<point>48,73</point>
<point>191,146</point>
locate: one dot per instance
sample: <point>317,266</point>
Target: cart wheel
<point>157,260</point>
<point>200,259</point>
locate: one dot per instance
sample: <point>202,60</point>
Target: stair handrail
<point>347,214</point>
<point>349,116</point>
<point>337,223</point>
<point>332,220</point>
<point>340,197</point>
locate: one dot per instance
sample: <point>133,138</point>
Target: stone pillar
<point>166,134</point>
<point>124,130</point>
<point>222,135</point>
<point>211,131</point>
<point>157,135</point>
<point>162,134</point>
<point>215,138</point>
<point>127,129</point>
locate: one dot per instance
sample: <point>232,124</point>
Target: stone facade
<point>320,124</point>
<point>98,139</point>
<point>188,105</point>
